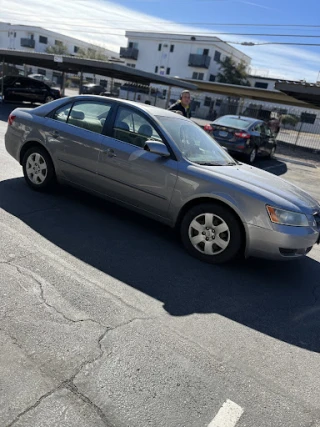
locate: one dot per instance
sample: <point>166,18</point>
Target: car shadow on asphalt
<point>280,299</point>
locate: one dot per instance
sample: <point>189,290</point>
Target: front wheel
<point>38,169</point>
<point>252,156</point>
<point>272,152</point>
<point>212,233</point>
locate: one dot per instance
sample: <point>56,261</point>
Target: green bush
<point>290,119</point>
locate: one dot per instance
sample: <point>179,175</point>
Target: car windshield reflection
<point>195,144</point>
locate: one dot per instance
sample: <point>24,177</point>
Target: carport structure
<point>73,64</point>
<point>302,91</point>
<point>271,96</point>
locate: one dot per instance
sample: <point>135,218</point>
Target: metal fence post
<point>298,135</point>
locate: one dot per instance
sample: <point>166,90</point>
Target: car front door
<point>74,134</point>
<point>131,174</point>
<point>38,91</point>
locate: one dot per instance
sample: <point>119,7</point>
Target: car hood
<point>266,184</point>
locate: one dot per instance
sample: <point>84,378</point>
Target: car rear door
<point>38,90</point>
<point>131,174</point>
<point>74,135</point>
<point>18,90</point>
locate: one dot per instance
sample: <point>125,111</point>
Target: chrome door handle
<point>110,152</point>
<point>55,134</point>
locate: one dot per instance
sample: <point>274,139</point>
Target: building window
<point>132,45</point>
<point>197,76</point>
<point>43,40</point>
<point>58,43</point>
<point>160,46</point>
<point>172,48</point>
<point>261,85</point>
<point>207,101</point>
<point>168,71</point>
<point>164,92</point>
<point>156,69</point>
<point>217,56</point>
<point>76,49</point>
<point>131,65</point>
<point>212,78</point>
<point>42,71</point>
<point>32,36</point>
<point>15,35</point>
<point>205,52</point>
<point>308,118</point>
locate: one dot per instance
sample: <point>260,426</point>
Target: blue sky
<point>104,22</point>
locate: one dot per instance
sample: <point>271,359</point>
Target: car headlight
<point>280,216</point>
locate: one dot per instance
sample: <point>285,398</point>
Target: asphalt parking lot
<point>106,321</point>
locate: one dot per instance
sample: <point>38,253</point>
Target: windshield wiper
<point>215,164</point>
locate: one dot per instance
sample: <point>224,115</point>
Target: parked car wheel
<point>211,233</point>
<point>48,99</point>
<point>252,156</point>
<point>38,169</point>
<point>272,152</point>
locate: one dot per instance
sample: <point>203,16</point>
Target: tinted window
<point>133,128</point>
<point>62,113</point>
<point>22,83</point>
<point>89,115</point>
<point>234,122</point>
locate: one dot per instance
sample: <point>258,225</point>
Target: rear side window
<point>62,113</point>
<point>89,115</point>
<point>234,122</point>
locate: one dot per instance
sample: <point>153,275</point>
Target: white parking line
<point>228,415</point>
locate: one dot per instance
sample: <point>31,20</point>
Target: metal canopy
<point>302,91</point>
<point>73,64</point>
<point>272,96</point>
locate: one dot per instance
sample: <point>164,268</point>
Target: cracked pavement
<point>105,321</point>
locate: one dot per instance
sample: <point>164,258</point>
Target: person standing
<point>183,105</point>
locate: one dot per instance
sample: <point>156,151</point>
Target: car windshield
<point>234,122</point>
<point>194,143</point>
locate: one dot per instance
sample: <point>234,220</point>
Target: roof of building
<point>74,64</point>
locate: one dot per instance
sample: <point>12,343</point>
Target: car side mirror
<point>156,147</point>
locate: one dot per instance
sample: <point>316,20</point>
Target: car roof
<point>248,119</point>
<point>149,109</point>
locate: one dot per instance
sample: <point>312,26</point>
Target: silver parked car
<point>166,167</point>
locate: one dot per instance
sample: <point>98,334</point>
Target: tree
<point>91,54</point>
<point>232,73</point>
<point>59,49</point>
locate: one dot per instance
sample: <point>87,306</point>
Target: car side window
<point>89,115</point>
<point>62,113</point>
<point>20,83</point>
<point>133,128</point>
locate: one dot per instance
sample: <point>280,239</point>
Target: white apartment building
<point>37,39</point>
<point>178,55</point>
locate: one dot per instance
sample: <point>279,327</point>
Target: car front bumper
<point>283,242</point>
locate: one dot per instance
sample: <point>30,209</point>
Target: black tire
<point>272,152</point>
<point>47,180</point>
<point>234,235</point>
<point>252,158</point>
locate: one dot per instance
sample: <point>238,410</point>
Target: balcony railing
<point>129,52</point>
<point>28,43</point>
<point>201,61</point>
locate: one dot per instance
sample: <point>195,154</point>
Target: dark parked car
<point>92,89</point>
<point>243,135</point>
<point>19,88</point>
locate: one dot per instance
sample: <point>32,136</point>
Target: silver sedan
<point>164,166</point>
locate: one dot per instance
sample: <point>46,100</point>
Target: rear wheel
<point>49,98</point>
<point>211,233</point>
<point>38,169</point>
